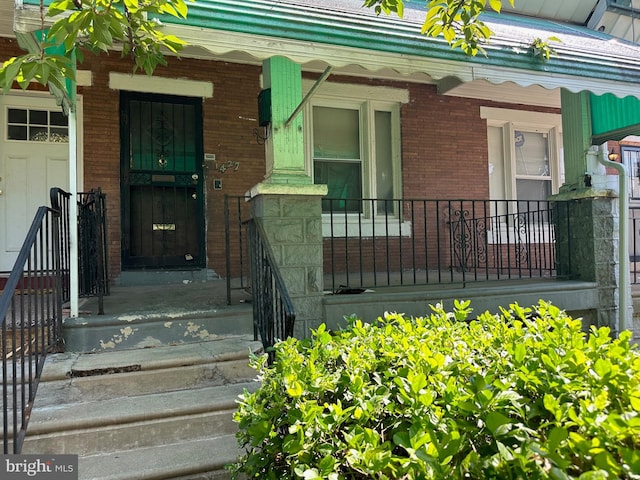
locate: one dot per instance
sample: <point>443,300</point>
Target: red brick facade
<point>444,140</point>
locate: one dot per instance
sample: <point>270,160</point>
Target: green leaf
<point>497,423</point>
<point>557,435</point>
<point>496,5</point>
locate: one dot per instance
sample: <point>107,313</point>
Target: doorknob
<point>194,178</point>
<point>1,192</point>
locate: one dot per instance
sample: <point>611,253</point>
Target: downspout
<point>623,243</point>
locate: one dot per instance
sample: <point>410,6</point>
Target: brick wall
<point>444,142</point>
<point>228,133</point>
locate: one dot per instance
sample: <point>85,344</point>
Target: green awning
<point>614,118</point>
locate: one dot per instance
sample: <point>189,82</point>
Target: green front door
<point>162,187</point>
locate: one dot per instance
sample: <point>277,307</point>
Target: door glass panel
<point>36,125</point>
<point>160,137</point>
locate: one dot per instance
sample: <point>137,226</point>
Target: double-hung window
<point>353,147</point>
<point>524,154</point>
<point>525,167</point>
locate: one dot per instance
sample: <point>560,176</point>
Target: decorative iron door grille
<point>162,185</point>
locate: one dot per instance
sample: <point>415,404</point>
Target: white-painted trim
<point>357,92</point>
<point>261,47</point>
<point>363,228</point>
<point>84,78</point>
<point>168,86</point>
<point>508,93</point>
<point>499,116</point>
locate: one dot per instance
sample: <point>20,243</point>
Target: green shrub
<point>522,395</point>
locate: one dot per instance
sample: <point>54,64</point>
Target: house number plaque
<point>164,226</point>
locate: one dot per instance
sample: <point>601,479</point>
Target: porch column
<point>287,202</point>
<point>588,216</point>
<point>285,143</point>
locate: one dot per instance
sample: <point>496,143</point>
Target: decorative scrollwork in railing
<point>468,237</point>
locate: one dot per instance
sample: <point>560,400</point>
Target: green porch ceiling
<point>614,118</point>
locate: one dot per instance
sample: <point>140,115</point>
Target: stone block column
<point>291,217</point>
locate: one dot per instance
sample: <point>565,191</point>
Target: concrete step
<point>196,459</point>
<point>142,421</point>
<point>81,377</point>
<point>161,412</point>
<point>134,330</point>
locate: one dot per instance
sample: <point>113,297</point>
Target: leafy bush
<point>521,395</point>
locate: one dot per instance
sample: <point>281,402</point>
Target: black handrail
<point>60,203</point>
<point>273,312</point>
<point>31,316</point>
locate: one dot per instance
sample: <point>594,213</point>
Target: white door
<point>34,156</point>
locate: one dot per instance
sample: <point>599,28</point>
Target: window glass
<point>344,181</point>
<point>336,133</point>
<point>354,151</point>
<point>631,158</point>
<point>36,125</point>
<point>532,153</point>
<point>336,151</point>
<point>384,161</point>
<point>533,189</point>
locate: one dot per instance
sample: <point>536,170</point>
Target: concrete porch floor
<point>175,297</point>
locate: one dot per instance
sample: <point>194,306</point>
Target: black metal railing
<point>236,213</point>
<point>31,315</point>
<point>93,275</point>
<point>273,312</point>
<point>372,242</point>
<point>60,203</point>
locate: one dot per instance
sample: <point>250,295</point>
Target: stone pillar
<point>292,219</point>
<point>287,202</point>
<point>587,236</point>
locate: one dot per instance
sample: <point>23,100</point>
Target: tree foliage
<point>456,20</point>
<point>68,27</point>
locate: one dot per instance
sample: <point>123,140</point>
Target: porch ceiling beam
<point>310,93</point>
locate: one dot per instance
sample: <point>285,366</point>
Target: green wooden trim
<point>576,134</point>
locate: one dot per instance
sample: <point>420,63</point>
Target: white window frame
<point>45,128</point>
<point>367,100</point>
<point>510,121</point>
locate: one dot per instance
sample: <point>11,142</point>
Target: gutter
<point>624,281</point>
